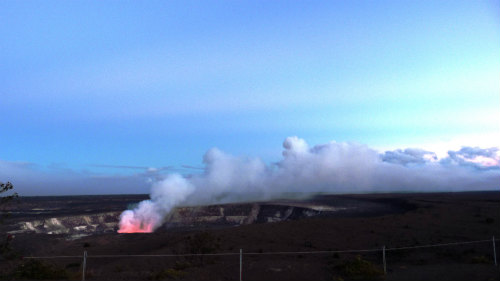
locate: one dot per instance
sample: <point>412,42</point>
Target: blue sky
<point>152,84</point>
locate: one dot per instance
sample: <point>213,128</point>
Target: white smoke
<point>165,195</point>
<point>332,167</point>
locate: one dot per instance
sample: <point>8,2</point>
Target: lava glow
<point>130,222</point>
<point>332,167</point>
<point>131,228</point>
<point>148,215</point>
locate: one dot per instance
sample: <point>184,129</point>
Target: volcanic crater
<point>78,216</point>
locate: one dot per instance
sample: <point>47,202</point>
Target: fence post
<point>241,264</point>
<point>494,250</point>
<point>84,264</point>
<point>383,259</point>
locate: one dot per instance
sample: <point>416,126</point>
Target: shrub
<point>168,274</point>
<point>6,251</point>
<point>480,259</point>
<point>203,243</point>
<point>35,269</point>
<point>359,269</point>
<point>182,265</point>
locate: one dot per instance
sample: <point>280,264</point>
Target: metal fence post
<point>383,259</point>
<point>494,251</point>
<point>241,264</point>
<point>84,264</point>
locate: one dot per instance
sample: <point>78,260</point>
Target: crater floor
<point>78,216</point>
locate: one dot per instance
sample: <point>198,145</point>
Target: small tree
<point>5,249</point>
<point>5,187</point>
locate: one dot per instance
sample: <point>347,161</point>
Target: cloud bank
<point>30,179</point>
<point>332,167</point>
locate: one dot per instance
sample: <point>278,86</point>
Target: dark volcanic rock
<point>77,216</point>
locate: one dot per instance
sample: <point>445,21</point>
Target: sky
<point>110,96</point>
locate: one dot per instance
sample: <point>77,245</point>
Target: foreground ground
<point>406,220</point>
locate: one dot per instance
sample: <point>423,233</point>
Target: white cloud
<point>332,167</point>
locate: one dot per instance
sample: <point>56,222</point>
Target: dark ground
<point>400,220</point>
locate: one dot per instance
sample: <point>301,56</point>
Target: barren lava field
<point>324,223</point>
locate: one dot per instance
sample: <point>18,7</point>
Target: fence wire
<point>381,250</point>
<point>275,253</point>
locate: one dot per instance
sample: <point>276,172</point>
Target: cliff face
<point>183,217</point>
<point>76,224</point>
<point>238,214</point>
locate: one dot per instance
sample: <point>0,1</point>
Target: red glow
<point>137,221</point>
<point>132,228</point>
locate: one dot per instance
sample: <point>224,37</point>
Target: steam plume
<point>332,167</point>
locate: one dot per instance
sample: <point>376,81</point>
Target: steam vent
<point>82,216</point>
